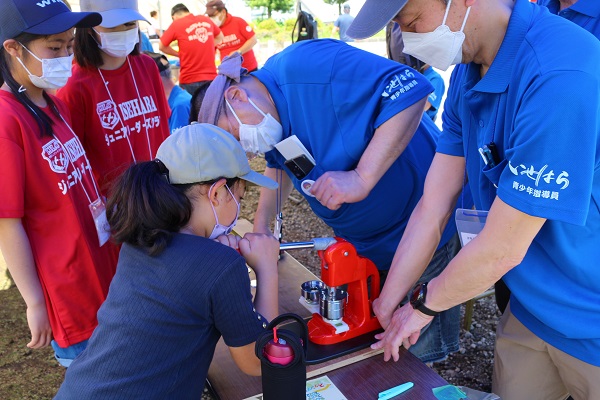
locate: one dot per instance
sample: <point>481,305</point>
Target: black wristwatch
<point>417,300</point>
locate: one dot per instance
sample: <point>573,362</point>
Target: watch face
<point>416,299</point>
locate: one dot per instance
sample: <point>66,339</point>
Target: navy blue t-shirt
<point>158,328</point>
<point>333,96</point>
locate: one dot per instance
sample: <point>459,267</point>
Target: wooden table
<point>360,375</point>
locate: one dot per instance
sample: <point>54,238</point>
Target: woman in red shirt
<point>52,217</point>
<point>116,97</point>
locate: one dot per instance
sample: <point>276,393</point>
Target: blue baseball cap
<point>373,17</point>
<point>41,17</point>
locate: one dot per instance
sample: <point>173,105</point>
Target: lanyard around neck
<point>73,164</point>
<point>121,119</point>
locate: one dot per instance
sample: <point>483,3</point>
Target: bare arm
<point>219,38</point>
<point>423,232</point>
<point>19,259</point>
<point>167,50</point>
<point>246,360</point>
<point>248,45</point>
<point>501,245</point>
<point>261,252</point>
<point>427,106</point>
<point>334,188</point>
<point>267,204</point>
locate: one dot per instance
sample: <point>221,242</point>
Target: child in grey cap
<point>182,280</point>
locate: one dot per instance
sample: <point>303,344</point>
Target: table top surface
<point>360,375</point>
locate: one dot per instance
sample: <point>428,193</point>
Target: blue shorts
<point>65,356</point>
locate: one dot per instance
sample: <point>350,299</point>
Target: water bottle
<point>283,360</point>
<point>278,351</point>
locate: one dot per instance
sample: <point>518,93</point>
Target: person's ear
<point>12,47</point>
<point>235,93</point>
<point>213,193</point>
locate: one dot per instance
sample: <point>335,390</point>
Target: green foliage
<point>268,25</point>
<point>288,24</point>
<point>269,29</point>
<point>272,5</point>
<point>281,32</point>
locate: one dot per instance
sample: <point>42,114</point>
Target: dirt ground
<point>34,374</point>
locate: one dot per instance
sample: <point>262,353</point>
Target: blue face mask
<point>219,229</point>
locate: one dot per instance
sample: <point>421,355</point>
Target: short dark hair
<point>87,52</point>
<point>197,99</point>
<point>145,210</point>
<point>44,122</point>
<point>153,13</point>
<point>178,8</point>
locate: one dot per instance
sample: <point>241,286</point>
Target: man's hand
<point>384,316</point>
<point>335,188</point>
<point>403,330</point>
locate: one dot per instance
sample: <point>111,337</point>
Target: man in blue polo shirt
<point>522,120</point>
<point>585,13</point>
<point>363,171</point>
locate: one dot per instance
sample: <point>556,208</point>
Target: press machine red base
<point>341,265</point>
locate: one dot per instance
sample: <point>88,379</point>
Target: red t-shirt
<point>104,124</point>
<point>236,32</point>
<point>44,181</point>
<point>195,35</point>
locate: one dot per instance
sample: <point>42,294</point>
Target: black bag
<point>305,27</point>
<point>284,381</point>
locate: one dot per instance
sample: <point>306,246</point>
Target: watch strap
<point>426,311</point>
<point>418,300</point>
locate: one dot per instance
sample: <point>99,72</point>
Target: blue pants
<point>440,337</point>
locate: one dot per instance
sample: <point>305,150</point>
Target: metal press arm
<point>316,243</point>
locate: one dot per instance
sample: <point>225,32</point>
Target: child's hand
<point>232,241</point>
<point>261,251</point>
<point>39,325</point>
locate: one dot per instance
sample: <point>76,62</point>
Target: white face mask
<point>219,229</point>
<point>440,48</point>
<point>118,44</point>
<point>217,21</point>
<point>261,138</point>
<point>55,71</point>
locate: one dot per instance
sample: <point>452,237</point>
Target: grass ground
<point>25,374</point>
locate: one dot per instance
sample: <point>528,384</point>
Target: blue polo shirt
<point>585,13</point>
<point>180,102</point>
<point>541,107</point>
<point>435,97</point>
<point>333,96</point>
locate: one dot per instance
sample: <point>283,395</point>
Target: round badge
<point>306,185</point>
